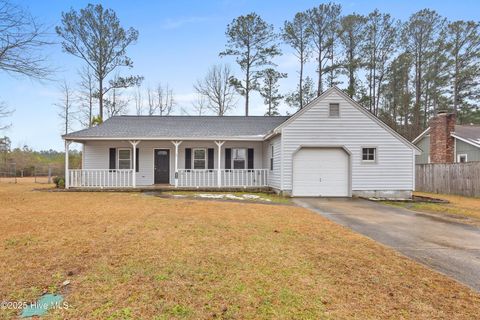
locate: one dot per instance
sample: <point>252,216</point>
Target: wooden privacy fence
<point>449,178</point>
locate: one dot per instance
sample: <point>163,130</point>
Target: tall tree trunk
<point>270,85</point>
<point>320,85</point>
<point>455,84</point>
<point>100,98</point>
<point>90,105</point>
<point>418,96</point>
<point>300,91</point>
<point>370,88</point>
<point>351,80</point>
<point>247,88</point>
<point>331,66</point>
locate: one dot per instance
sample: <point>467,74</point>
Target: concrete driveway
<point>449,247</point>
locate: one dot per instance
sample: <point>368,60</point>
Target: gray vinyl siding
<point>274,177</point>
<point>96,155</point>
<point>393,169</point>
<point>472,152</point>
<point>424,145</point>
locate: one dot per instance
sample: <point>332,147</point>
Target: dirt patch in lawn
<point>129,256</point>
<point>251,197</point>
<point>458,208</point>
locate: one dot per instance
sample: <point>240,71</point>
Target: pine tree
<point>352,35</point>
<point>297,34</point>
<point>463,49</point>
<point>269,90</point>
<point>253,42</point>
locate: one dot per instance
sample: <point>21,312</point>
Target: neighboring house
<point>446,142</point>
<point>332,147</point>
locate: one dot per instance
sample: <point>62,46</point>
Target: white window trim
<point>118,158</point>
<point>245,161</point>
<point>375,156</point>
<point>462,155</point>
<point>205,159</point>
<point>329,114</point>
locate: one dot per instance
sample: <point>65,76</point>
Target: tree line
<point>401,71</point>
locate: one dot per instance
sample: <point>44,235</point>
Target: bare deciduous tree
<point>65,106</point>
<point>152,102</point>
<point>138,100</point>
<point>87,96</point>
<point>216,88</point>
<point>21,38</point>
<point>4,113</point>
<point>165,100</point>
<point>115,104</point>
<point>200,104</point>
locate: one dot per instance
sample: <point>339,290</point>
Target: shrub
<point>59,182</point>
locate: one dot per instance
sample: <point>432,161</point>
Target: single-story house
<point>331,147</point>
<point>444,141</point>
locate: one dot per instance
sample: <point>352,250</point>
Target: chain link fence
<point>12,173</point>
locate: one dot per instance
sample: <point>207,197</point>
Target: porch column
<point>219,172</point>
<point>176,144</point>
<point>67,174</point>
<point>134,144</point>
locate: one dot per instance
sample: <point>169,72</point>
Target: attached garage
<point>321,172</point>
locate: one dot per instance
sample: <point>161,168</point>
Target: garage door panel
<point>320,172</point>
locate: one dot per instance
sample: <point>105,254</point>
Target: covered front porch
<point>109,164</point>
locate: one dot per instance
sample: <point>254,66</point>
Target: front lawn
<point>134,256</point>
<point>457,206</point>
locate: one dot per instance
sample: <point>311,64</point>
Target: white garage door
<point>320,172</point>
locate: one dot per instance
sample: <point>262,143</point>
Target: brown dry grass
<point>131,256</point>
<point>459,205</point>
<point>467,209</point>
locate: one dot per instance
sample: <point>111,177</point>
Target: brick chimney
<point>442,144</point>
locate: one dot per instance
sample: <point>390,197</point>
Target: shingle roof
<point>136,127</point>
<point>470,133</point>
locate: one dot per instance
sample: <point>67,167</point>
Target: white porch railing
<point>235,178</point>
<point>101,178</point>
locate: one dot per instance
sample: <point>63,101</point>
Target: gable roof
<point>425,132</point>
<point>467,133</point>
<point>179,127</point>
<point>335,89</point>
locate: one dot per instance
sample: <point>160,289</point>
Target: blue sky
<point>178,41</point>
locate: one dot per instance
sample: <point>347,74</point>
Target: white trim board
<point>356,105</point>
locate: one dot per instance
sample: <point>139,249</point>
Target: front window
<point>239,158</point>
<point>199,158</point>
<point>124,159</point>
<point>462,158</point>
<point>369,154</point>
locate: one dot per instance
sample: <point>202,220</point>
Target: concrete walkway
<point>449,247</point>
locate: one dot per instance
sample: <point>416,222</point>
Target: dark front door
<point>162,166</point>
